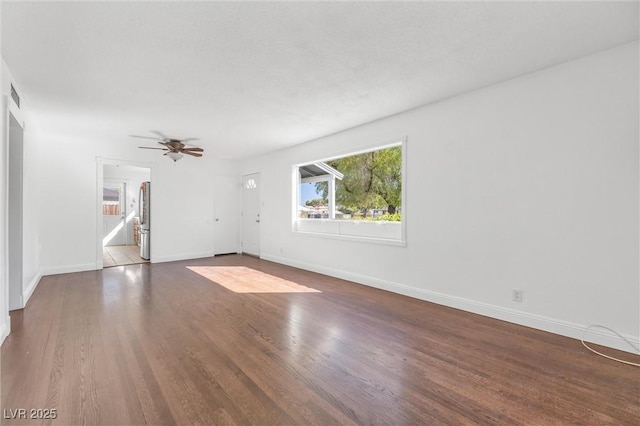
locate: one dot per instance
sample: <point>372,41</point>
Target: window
<point>111,201</point>
<point>251,184</point>
<point>358,195</point>
<point>317,191</point>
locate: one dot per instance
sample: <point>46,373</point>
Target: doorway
<point>119,215</point>
<point>251,214</point>
<point>15,211</point>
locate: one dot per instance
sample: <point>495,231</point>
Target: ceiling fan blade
<point>193,154</point>
<point>189,139</point>
<point>143,137</point>
<point>193,149</point>
<point>162,135</point>
<point>147,147</point>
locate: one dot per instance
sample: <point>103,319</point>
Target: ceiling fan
<point>175,147</point>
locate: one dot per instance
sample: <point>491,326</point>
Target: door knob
<point>257,220</point>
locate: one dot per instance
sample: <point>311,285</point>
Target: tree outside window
<point>370,188</point>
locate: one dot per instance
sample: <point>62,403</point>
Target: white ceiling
<point>247,78</point>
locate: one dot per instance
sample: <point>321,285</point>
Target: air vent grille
<point>14,96</point>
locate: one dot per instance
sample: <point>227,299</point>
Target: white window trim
<point>296,180</point>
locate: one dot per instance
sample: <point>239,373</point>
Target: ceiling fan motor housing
<point>174,146</point>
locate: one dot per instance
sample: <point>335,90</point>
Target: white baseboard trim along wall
<point>67,269</point>
<point>539,322</point>
<point>4,329</point>
<point>26,294</point>
<point>177,257</point>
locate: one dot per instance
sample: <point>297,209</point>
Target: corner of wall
<point>5,327</point>
<point>31,287</point>
<point>68,269</point>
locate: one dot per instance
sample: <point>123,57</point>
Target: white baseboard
<point>26,294</point>
<point>539,322</point>
<point>5,327</point>
<point>176,257</point>
<point>67,269</point>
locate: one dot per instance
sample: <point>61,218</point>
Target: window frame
<point>378,232</point>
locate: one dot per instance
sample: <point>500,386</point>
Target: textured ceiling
<point>247,78</point>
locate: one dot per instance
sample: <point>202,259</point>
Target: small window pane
<point>313,203</point>
<point>111,201</point>
<point>251,184</point>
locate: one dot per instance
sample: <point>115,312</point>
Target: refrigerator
<point>144,212</point>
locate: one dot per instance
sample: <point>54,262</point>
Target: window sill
<point>387,233</point>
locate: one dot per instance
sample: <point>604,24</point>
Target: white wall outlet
<point>516,295</point>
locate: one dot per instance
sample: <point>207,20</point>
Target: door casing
<point>100,163</point>
<point>15,216</point>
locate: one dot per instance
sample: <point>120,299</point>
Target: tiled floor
<point>121,255</point>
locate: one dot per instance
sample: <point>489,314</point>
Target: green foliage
<point>317,202</point>
<point>371,180</point>
<point>389,217</point>
<point>346,210</point>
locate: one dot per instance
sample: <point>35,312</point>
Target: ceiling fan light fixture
<point>175,156</point>
<point>176,148</point>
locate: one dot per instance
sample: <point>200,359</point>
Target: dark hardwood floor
<point>163,344</point>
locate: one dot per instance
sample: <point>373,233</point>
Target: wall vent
<point>14,96</point>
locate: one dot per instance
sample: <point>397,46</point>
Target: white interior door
<point>251,214</point>
<point>114,214</point>
<point>227,220</point>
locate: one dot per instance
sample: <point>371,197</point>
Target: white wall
<point>529,184</point>
<point>182,201</point>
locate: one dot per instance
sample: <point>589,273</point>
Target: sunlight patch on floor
<point>241,279</point>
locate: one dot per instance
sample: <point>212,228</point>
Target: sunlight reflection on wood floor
<point>241,279</point>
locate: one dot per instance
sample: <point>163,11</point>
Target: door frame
<point>13,110</point>
<point>100,163</point>
<point>243,189</point>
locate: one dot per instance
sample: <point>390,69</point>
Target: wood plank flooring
<point>162,344</point>
<point>121,255</point>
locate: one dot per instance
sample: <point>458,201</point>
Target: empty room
<point>295,213</point>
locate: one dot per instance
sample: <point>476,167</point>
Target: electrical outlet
<point>516,295</point>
